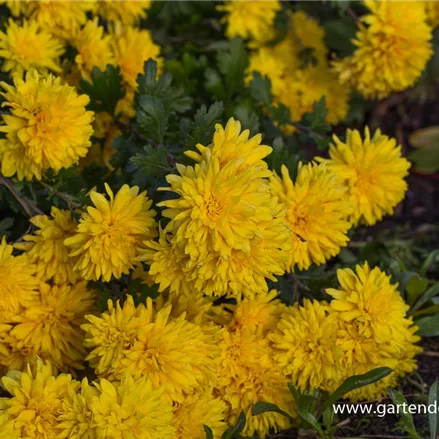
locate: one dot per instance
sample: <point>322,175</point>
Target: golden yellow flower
<point>51,327</point>
<point>176,354</point>
<point>218,208</point>
<point>60,18</point>
<point>201,409</point>
<point>132,48</point>
<point>94,48</point>
<point>373,170</point>
<point>109,236</point>
<point>304,343</point>
<point>127,12</point>
<point>167,263</point>
<point>132,409</point>
<point>16,7</point>
<point>76,419</point>
<point>27,46</point>
<point>393,47</point>
<point>317,212</point>
<point>259,313</point>
<point>18,284</point>
<point>35,402</point>
<point>247,375</point>
<point>7,427</point>
<point>48,126</point>
<point>45,248</point>
<point>230,143</point>
<point>250,20</point>
<point>111,334</point>
<point>367,298</point>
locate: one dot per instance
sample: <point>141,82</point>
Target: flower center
<point>214,207</point>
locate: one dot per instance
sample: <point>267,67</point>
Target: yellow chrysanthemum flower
<point>27,46</point>
<point>167,263</point>
<point>299,72</point>
<point>250,20</point>
<point>16,7</point>
<point>7,427</point>
<point>247,375</point>
<point>94,48</point>
<point>36,400</point>
<point>176,354</point>
<point>393,47</point>
<point>109,236</point>
<point>127,12</point>
<point>45,248</point>
<point>18,284</point>
<point>367,298</point>
<point>111,335</point>
<point>218,208</point>
<point>48,127</point>
<point>132,409</point>
<point>304,343</point>
<point>195,412</point>
<point>76,419</point>
<point>373,171</point>
<point>317,212</point>
<point>230,143</point>
<point>132,49</point>
<point>432,10</point>
<point>51,327</point>
<point>259,313</point>
<point>60,18</point>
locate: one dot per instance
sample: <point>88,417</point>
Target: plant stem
<point>67,198</point>
<point>26,204</point>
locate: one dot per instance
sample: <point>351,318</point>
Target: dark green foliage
<point>105,89</point>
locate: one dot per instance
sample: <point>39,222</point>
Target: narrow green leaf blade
<point>262,407</point>
<point>433,418</point>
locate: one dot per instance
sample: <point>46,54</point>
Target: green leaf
<point>262,407</point>
<point>260,89</point>
<point>407,419</point>
<point>202,127</point>
<point>105,89</point>
<point>209,432</point>
<point>233,432</point>
<point>315,120</point>
<point>294,392</point>
<point>153,162</point>
<point>152,118</point>
<point>433,418</point>
<point>433,291</point>
<point>248,118</point>
<point>415,286</point>
<point>5,225</point>
<point>214,83</point>
<point>432,258</point>
<point>355,382</point>
<point>232,64</point>
<point>428,326</point>
<point>339,34</point>
<point>433,309</point>
<point>311,420</point>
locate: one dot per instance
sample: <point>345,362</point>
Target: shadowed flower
<point>45,248</point>
<point>127,12</point>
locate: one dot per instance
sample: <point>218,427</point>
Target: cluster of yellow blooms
<point>167,367</point>
<point>393,46</point>
<point>35,45</point>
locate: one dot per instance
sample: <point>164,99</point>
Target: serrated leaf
<point>232,64</point>
<point>248,118</point>
<point>260,89</point>
<point>105,89</point>
<point>153,161</point>
<point>201,129</point>
<point>152,118</point>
